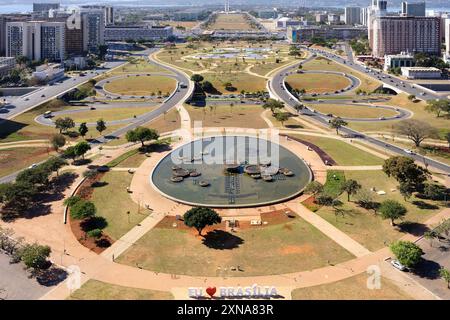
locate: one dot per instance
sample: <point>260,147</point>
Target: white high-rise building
<point>414,9</point>
<point>363,16</point>
<point>36,40</point>
<point>447,39</point>
<point>93,29</point>
<point>377,9</point>
<point>352,15</point>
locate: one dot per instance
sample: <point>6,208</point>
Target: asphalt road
<point>276,86</point>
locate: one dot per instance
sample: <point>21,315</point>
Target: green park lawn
<point>234,21</point>
<point>108,114</point>
<point>142,85</point>
<point>273,249</point>
<point>239,115</point>
<point>320,63</point>
<point>317,83</point>
<point>369,228</point>
<point>353,288</point>
<point>239,80</point>
<point>97,290</point>
<point>114,208</point>
<point>343,153</point>
<point>352,111</point>
<point>140,65</point>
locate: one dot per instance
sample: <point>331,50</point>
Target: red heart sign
<point>211,291</point>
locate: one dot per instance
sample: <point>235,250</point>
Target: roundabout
<point>231,171</point>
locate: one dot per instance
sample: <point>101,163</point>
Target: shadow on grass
<point>427,269</point>
<point>424,205</point>
<point>222,240</point>
<point>93,223</point>
<point>8,127</point>
<point>414,228</point>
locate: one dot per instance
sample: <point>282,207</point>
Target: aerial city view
<point>218,150</point>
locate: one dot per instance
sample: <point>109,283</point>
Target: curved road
<point>277,89</point>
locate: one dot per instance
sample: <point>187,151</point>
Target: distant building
<point>413,9</point>
<point>377,9</point>
<point>394,34</point>
<point>285,22</point>
<point>334,18</point>
<point>398,61</point>
<point>187,15</point>
<point>321,18</point>
<point>36,40</point>
<point>45,7</point>
<point>301,34</point>
<point>352,15</point>
<point>123,33</point>
<point>6,65</point>
<point>267,14</point>
<point>421,73</point>
<point>363,16</point>
<point>49,72</point>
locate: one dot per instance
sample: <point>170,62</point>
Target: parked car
<point>396,264</point>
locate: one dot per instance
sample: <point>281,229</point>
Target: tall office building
<point>352,15</point>
<point>447,39</point>
<point>93,29</point>
<point>36,40</point>
<point>74,44</point>
<point>363,16</point>
<point>377,9</point>
<point>108,12</point>
<point>395,34</point>
<point>44,7</point>
<point>5,18</point>
<point>414,9</point>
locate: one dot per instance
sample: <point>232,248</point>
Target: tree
<point>197,78</point>
<point>393,210</point>
<point>69,202</point>
<point>36,176</point>
<point>17,196</point>
<point>81,148</point>
<point>70,153</point>
<point>406,190</point>
<point>95,233</point>
<point>54,164</point>
<point>407,253</point>
<point>416,130</point>
<point>282,117</point>
<point>404,170</point>
<point>364,199</point>
<point>199,218</point>
<point>337,123</point>
<point>351,187</point>
<point>35,256</point>
<point>438,106</point>
<point>64,124</point>
<point>102,51</point>
<point>434,191</point>
<point>445,275</point>
<point>314,187</point>
<point>83,129</point>
<point>273,105</point>
<point>142,134</point>
<point>58,141</point>
<point>101,126</point>
<point>82,209</point>
<point>324,199</point>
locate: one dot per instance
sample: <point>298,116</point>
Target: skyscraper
<point>36,40</point>
<point>93,29</point>
<point>352,15</point>
<point>447,39</point>
<point>395,34</point>
<point>44,7</point>
<point>414,9</point>
<point>377,9</point>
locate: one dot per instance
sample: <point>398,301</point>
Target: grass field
<point>97,290</point>
<point>317,83</point>
<point>235,21</point>
<point>274,249</point>
<point>352,111</point>
<point>238,115</point>
<point>140,65</point>
<point>142,85</point>
<point>239,80</point>
<point>114,208</point>
<point>14,159</point>
<point>368,228</point>
<point>353,288</point>
<point>343,153</point>
<point>367,84</point>
<point>108,114</point>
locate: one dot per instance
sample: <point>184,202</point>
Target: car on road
<point>381,118</point>
<point>396,264</point>
<point>27,99</point>
<point>408,151</point>
<point>34,165</point>
<point>43,96</point>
